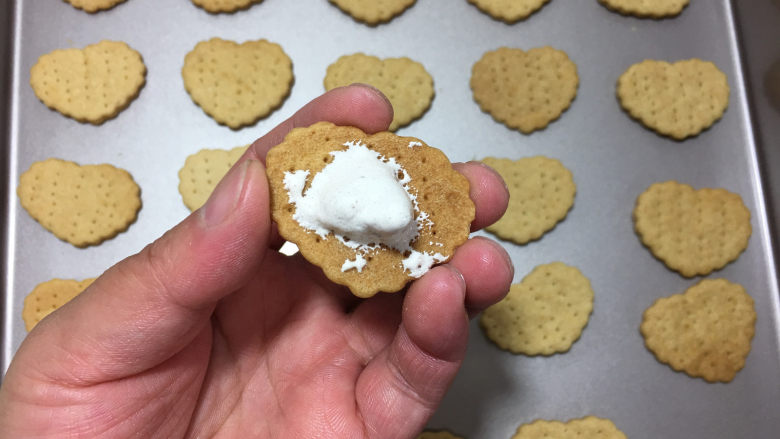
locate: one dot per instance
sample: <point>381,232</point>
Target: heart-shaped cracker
<point>237,84</point>
<point>48,296</point>
<point>692,231</point>
<point>704,332</point>
<point>542,315</point>
<point>91,84</point>
<point>375,11</point>
<point>405,82</point>
<point>644,8</point>
<point>509,11</point>
<point>94,5</point>
<point>83,205</point>
<point>541,192</point>
<point>216,6</point>
<point>439,434</point>
<point>677,100</point>
<point>443,209</point>
<point>524,90</point>
<point>589,427</point>
<point>202,171</point>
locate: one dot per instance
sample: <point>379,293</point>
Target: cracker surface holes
<point>589,427</point>
<point>237,84</point>
<point>92,84</point>
<point>405,82</point>
<point>705,332</point>
<point>49,296</point>
<point>693,232</point>
<point>542,315</point>
<point>541,193</point>
<point>81,204</point>
<point>202,172</point>
<point>678,100</point>
<point>524,90</point>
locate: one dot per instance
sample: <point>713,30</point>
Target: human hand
<point>209,331</point>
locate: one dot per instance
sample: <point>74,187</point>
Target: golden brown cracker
<point>704,332</point>
<point>202,171</point>
<point>524,90</point>
<point>509,11</point>
<point>83,205</point>
<point>678,100</point>
<point>92,6</point>
<point>589,427</point>
<point>440,191</point>
<point>542,315</point>
<point>644,8</point>
<point>92,84</point>
<point>405,82</point>
<point>439,434</point>
<point>48,296</point>
<point>217,6</point>
<point>237,84</point>
<point>692,231</point>
<point>373,12</point>
<point>541,193</point>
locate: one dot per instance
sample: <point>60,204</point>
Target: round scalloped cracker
<point>441,192</point>
<point>48,296</point>
<point>373,12</point>
<point>677,100</point>
<point>509,11</point>
<point>524,90</point>
<point>542,315</point>
<point>439,434</point>
<point>92,84</point>
<point>589,427</point>
<point>93,6</point>
<point>405,82</point>
<point>83,205</point>
<point>692,231</point>
<point>644,8</point>
<point>217,6</point>
<point>541,193</point>
<point>202,171</point>
<point>704,332</point>
<point>237,84</point>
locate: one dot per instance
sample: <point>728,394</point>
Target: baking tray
<point>608,372</point>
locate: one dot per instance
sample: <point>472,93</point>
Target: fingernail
<point>225,197</point>
<point>489,168</point>
<point>373,89</point>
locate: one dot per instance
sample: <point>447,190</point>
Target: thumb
<point>151,305</point>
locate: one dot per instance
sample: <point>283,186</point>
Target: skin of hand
<point>210,332</point>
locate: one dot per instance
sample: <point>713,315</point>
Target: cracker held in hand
<point>92,6</point>
<point>375,11</point>
<point>644,8</point>
<point>91,84</point>
<point>524,90</point>
<point>216,6</point>
<point>589,427</point>
<point>509,11</point>
<point>542,315</point>
<point>237,84</point>
<point>202,171</point>
<point>441,434</point>
<point>677,100</point>
<point>83,205</point>
<point>704,332</point>
<point>541,192</point>
<point>441,216</point>
<point>49,296</point>
<point>692,231</point>
<point>405,82</point>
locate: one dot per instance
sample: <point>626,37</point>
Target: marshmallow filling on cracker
<point>365,201</point>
